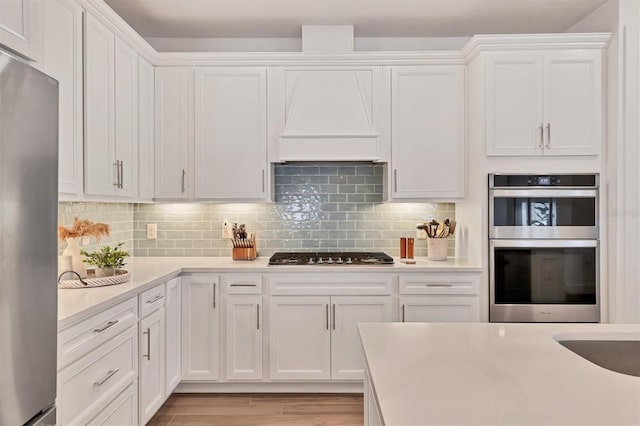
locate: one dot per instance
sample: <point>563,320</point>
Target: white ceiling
<point>371,18</point>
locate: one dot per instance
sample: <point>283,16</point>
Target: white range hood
<point>329,111</point>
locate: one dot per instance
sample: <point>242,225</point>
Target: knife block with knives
<point>244,245</point>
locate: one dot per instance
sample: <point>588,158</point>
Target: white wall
<point>295,44</point>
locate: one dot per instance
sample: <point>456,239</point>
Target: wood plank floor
<point>261,410</point>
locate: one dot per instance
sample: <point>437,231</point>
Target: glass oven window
<point>545,275</point>
<point>516,211</point>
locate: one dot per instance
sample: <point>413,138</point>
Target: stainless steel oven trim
<point>492,184</point>
<point>544,193</point>
<point>505,312</point>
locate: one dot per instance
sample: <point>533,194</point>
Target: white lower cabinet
<point>299,338</point>
<point>152,366</point>
<point>439,298</point>
<point>200,328</point>
<point>172,335</point>
<point>123,410</point>
<point>243,343</point>
<point>347,357</point>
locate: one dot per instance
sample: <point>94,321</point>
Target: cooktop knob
<point>311,261</point>
<point>339,260</point>
<point>319,261</point>
<point>330,260</point>
<point>348,261</point>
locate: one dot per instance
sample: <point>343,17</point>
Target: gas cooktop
<point>331,258</point>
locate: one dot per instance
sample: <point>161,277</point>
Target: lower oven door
<point>544,281</point>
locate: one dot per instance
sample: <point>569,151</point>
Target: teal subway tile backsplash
<point>318,206</point>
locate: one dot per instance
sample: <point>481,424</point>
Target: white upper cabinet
<point>328,113</point>
<point>111,113</point>
<point>544,103</point>
<point>101,172</point>
<point>63,61</point>
<point>230,133</point>
<point>173,132</point>
<point>427,132</point>
<point>146,159</point>
<point>126,114</point>
<point>21,26</point>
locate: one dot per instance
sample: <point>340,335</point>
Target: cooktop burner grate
<point>331,258</point>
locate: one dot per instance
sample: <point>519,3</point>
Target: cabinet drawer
<point>83,337</point>
<point>242,283</point>
<point>122,410</point>
<point>92,382</point>
<point>331,284</point>
<point>151,300</point>
<point>447,284</point>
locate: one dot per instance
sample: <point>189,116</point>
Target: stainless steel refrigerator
<point>28,243</point>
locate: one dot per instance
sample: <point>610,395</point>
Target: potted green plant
<point>106,260</point>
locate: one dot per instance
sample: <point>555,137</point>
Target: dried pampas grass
<point>84,228</point>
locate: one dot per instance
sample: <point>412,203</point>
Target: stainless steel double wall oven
<point>544,248</point>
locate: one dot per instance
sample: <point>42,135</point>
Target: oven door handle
<point>544,193</point>
<point>531,243</point>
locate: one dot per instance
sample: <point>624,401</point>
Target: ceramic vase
<point>107,271</point>
<point>73,250</point>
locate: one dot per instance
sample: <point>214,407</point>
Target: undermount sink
<point>619,352</point>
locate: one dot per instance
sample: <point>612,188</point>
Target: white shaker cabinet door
<point>299,338</point>
<point>347,357</point>
<point>126,118</point>
<point>200,328</point>
<point>230,133</point>
<point>152,364</point>
<point>21,26</point>
<point>573,103</point>
<point>99,109</point>
<point>244,327</point>
<point>63,61</point>
<point>173,333</point>
<point>428,132</point>
<point>513,104</point>
<point>439,309</point>
<point>173,132</point>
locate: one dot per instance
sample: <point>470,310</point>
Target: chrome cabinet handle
<point>258,316</point>
<point>541,144</point>
<point>242,285</point>
<point>548,135</point>
<point>263,180</point>
<point>184,173</point>
<point>395,180</point>
<point>439,285</point>
<point>155,299</point>
<point>327,312</point>
<point>334,316</point>
<point>402,313</point>
<point>214,295</point>
<point>110,374</point>
<point>107,325</point>
<point>148,334</point>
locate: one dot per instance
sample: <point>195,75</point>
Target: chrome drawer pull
<point>155,299</point>
<point>440,285</point>
<point>107,325</point>
<point>110,374</point>
<point>242,285</point>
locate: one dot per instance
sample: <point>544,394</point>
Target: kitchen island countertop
<point>76,304</point>
<point>496,374</point>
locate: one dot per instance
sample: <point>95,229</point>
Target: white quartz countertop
<point>496,374</point>
<point>76,304</point>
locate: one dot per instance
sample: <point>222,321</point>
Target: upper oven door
<point>543,213</point>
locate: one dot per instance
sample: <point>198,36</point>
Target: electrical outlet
<point>152,231</point>
<point>85,241</point>
<point>421,234</point>
<point>227,229</point>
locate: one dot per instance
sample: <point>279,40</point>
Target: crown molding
<point>120,27</point>
<point>508,42</point>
